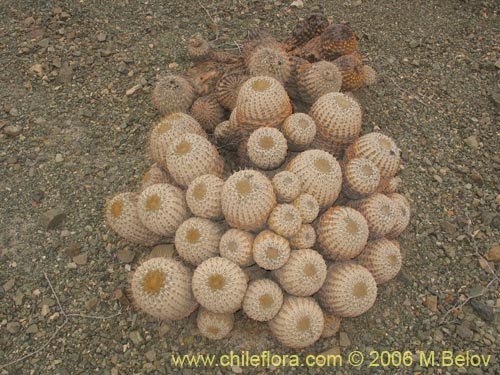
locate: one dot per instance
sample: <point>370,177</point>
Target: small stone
<point>13,327</point>
<point>450,252</point>
<point>59,158</point>
<point>18,299</point>
<point>125,255</point>
<point>32,329</point>
<point>45,310</point>
<point>431,302</point>
<point>72,266</point>
<point>150,355</point>
<point>414,43</point>
<point>493,254</point>
<point>52,219</point>
<point>8,285</point>
<point>65,74</point>
<point>91,304</point>
<point>297,4</point>
<point>344,340</point>
<point>12,130</point>
<point>237,369</point>
<point>448,227</point>
<point>484,311</point>
<point>438,178</point>
<point>121,297</point>
<point>101,37</point>
<point>472,142</point>
<point>73,250</point>
<point>476,177</point>
<point>80,259</point>
<point>14,112</point>
<point>497,64</point>
<point>162,251</point>
<point>475,291</point>
<point>464,332</point>
<point>164,329</point>
<point>136,338</point>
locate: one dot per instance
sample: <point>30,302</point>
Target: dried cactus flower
<point>285,220</point>
<point>319,174</point>
<point>299,323</point>
<point>349,290</point>
<point>236,245</point>
<point>162,208</point>
<point>309,28</point>
<point>303,274</point>
<point>156,175</point>
<point>353,74</point>
<point>317,79</point>
<point>379,212</point>
<point>190,156</point>
<point>207,111</point>
<point>214,326</point>
<point>198,49</point>
<point>162,288</point>
<point>360,178</point>
<point>166,131</point>
<point>299,130</point>
<point>286,186</point>
<point>219,285</point>
<point>247,200</point>
<point>228,87</point>
<point>342,233</point>
<point>197,239</point>
<point>371,76</point>
<point>402,206</point>
<point>337,40</point>
<point>270,250</point>
<point>308,207</point>
<point>337,117</point>
<point>262,101</point>
<point>271,61</point>
<point>389,185</point>
<point>121,216</point>
<point>382,258</point>
<point>332,325</point>
<point>173,93</point>
<point>305,238</point>
<point>378,148</point>
<point>263,300</point>
<point>267,148</point>
<point>203,196</point>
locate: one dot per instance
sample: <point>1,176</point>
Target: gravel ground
<point>70,137</point>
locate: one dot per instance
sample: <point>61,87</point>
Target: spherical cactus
<point>173,93</point>
<point>162,208</point>
<point>271,61</point>
<point>191,156</point>
<point>378,148</point>
<point>214,326</point>
<point>167,130</point>
<point>262,101</point>
<point>308,207</point>
<point>349,290</point>
<point>317,79</point>
<point>236,245</point>
<point>270,250</point>
<point>382,258</point>
<point>122,216</point>
<point>305,238</point>
<point>337,117</point>
<point>299,130</point>
<point>360,178</point>
<point>332,325</point>
<point>342,233</point>
<point>203,196</point>
<point>371,75</point>
<point>219,285</point>
<point>285,220</point>
<point>299,323</point>
<point>247,200</point>
<point>379,212</point>
<point>309,28</point>
<point>320,175</point>
<point>156,175</point>
<point>267,148</point>
<point>197,239</point>
<point>303,274</point>
<point>286,186</point>
<point>353,74</point>
<point>228,87</point>
<point>263,300</point>
<point>198,49</point>
<point>162,288</point>
<point>402,207</point>
<point>207,111</point>
<point>337,40</point>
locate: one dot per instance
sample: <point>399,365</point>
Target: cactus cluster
<point>258,161</point>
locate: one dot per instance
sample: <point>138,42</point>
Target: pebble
<point>476,177</point>
<point>464,332</point>
<point>32,329</point>
<point>45,310</point>
<point>431,302</point>
<point>12,130</point>
<point>136,338</point>
<point>125,255</point>
<point>120,295</point>
<point>297,4</point>
<point>484,311</point>
<point>475,291</point>
<point>472,142</point>
<point>493,254</point>
<point>8,285</point>
<point>80,259</point>
<point>150,355</point>
<point>438,178</point>
<point>344,339</point>
<point>101,37</point>
<point>450,252</point>
<point>59,158</point>
<point>73,250</point>
<point>14,112</point>
<point>51,219</point>
<point>13,327</point>
<point>237,369</point>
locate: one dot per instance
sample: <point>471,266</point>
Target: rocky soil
<point>76,78</point>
